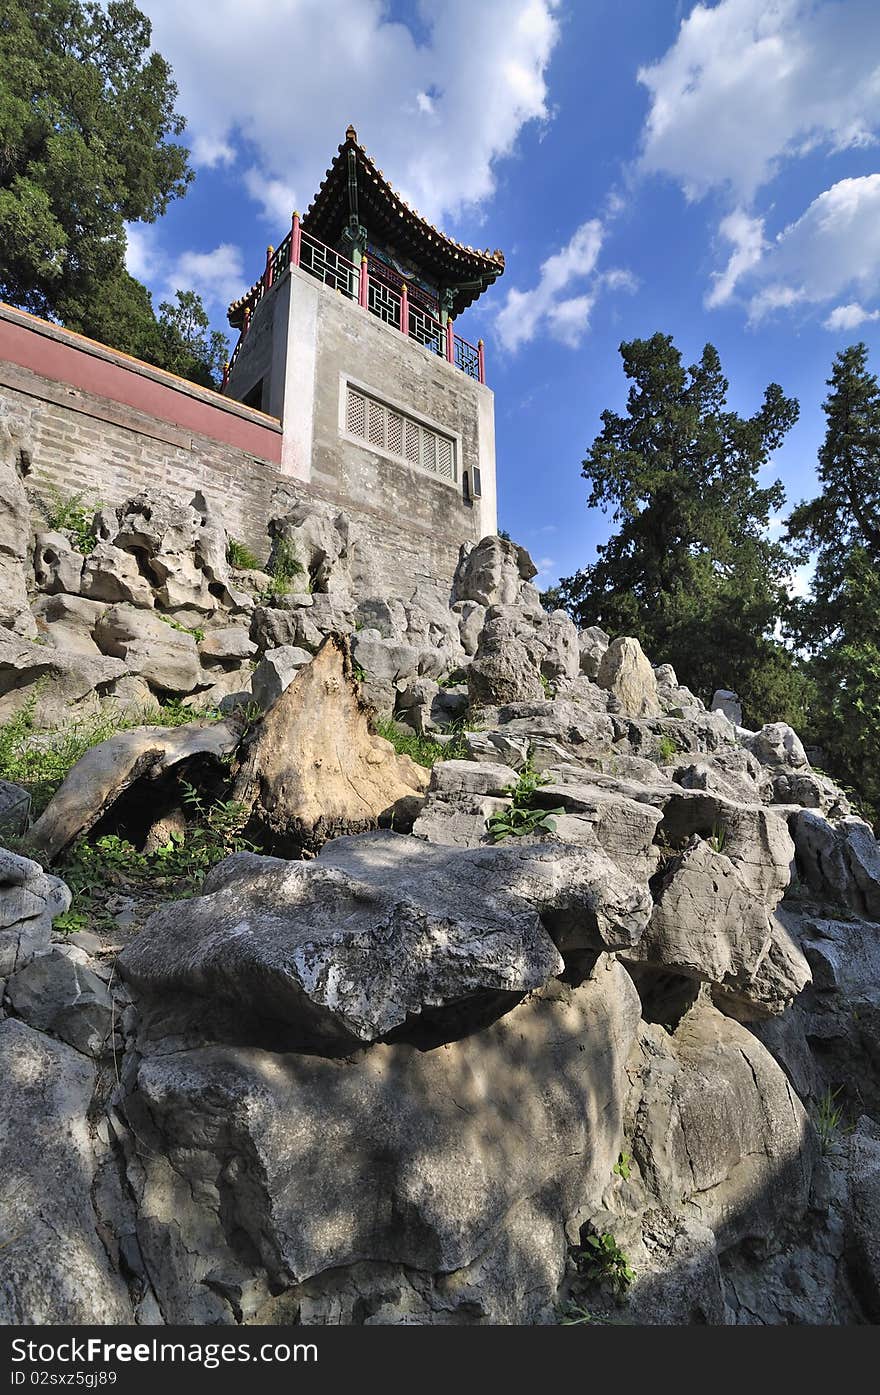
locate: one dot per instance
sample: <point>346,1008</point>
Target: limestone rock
<point>55,1268</point>
<point>67,622</point>
<point>708,924</point>
<point>719,1135</point>
<point>492,572</point>
<point>30,900</point>
<point>625,672</point>
<point>311,767</point>
<point>107,771</point>
<point>57,565</point>
<point>776,744</point>
<point>227,644</point>
<point>65,678</point>
<point>112,575</point>
<point>347,948</point>
<point>57,994</point>
<point>165,656</point>
<point>592,643</point>
<point>15,808</point>
<point>839,861</point>
<point>502,670</point>
<point>455,1163</point>
<point>723,700</point>
<point>15,531</point>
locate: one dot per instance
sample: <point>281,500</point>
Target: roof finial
<point>350,132</point>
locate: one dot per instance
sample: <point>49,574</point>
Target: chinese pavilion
<point>350,338</point>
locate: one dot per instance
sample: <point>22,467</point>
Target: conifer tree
<point>838,624</point>
<point>691,570</point>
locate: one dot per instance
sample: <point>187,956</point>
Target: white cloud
<point>278,199</point>
<point>748,83</point>
<point>844,317</point>
<point>832,250</point>
<point>210,151</point>
<point>142,255</point>
<point>286,76</point>
<point>547,306</point>
<point>746,236</point>
<point>217,276</point>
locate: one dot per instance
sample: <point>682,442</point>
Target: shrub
<point>72,516</point>
<point>424,750</point>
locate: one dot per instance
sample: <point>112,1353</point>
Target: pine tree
<point>691,571</point>
<point>838,625</point>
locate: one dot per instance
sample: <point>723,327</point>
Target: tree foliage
<point>189,347</point>
<point>87,123</point>
<point>691,571</point>
<point>837,625</point>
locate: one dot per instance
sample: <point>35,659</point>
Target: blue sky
<point>708,170</point>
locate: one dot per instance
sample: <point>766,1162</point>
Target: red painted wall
<point>69,358</point>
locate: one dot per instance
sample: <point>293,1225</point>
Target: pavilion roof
<point>390,220</point>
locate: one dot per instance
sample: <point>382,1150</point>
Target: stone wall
<point>107,452</point>
<point>108,447</point>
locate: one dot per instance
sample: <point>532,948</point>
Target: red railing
<point>376,288</point>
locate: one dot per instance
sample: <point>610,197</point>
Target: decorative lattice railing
<point>375,287</point>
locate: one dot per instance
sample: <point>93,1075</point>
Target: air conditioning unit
<point>473,488</point>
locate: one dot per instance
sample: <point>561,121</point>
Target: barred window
<point>389,430</point>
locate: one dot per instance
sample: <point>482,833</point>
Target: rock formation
<point>422,1076</point>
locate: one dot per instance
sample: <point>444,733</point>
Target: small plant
<point>666,749</point>
<point>718,838</point>
<point>359,674</point>
<point>240,556</point>
<point>546,684</point>
<point>828,1118</point>
<point>69,922</point>
<point>573,1314</point>
<point>621,1167</point>
<point>518,823</point>
<point>70,516</point>
<point>600,1260</point>
<point>523,817</point>
<point>283,567</point>
<point>198,635</point>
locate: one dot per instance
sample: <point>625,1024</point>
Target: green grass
<point>40,760</point>
<point>239,555</point>
<point>111,863</point>
<point>424,750</point>
<point>198,635</point>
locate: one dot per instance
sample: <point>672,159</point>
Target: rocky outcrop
<point>423,1076</point>
<point>55,1268</point>
<point>625,672</point>
<point>30,900</point>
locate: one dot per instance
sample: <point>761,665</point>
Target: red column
<point>404,310</point>
<point>450,342</point>
<point>267,274</point>
<point>225,382</point>
<point>364,285</point>
<point>481,356</point>
<point>295,240</point>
